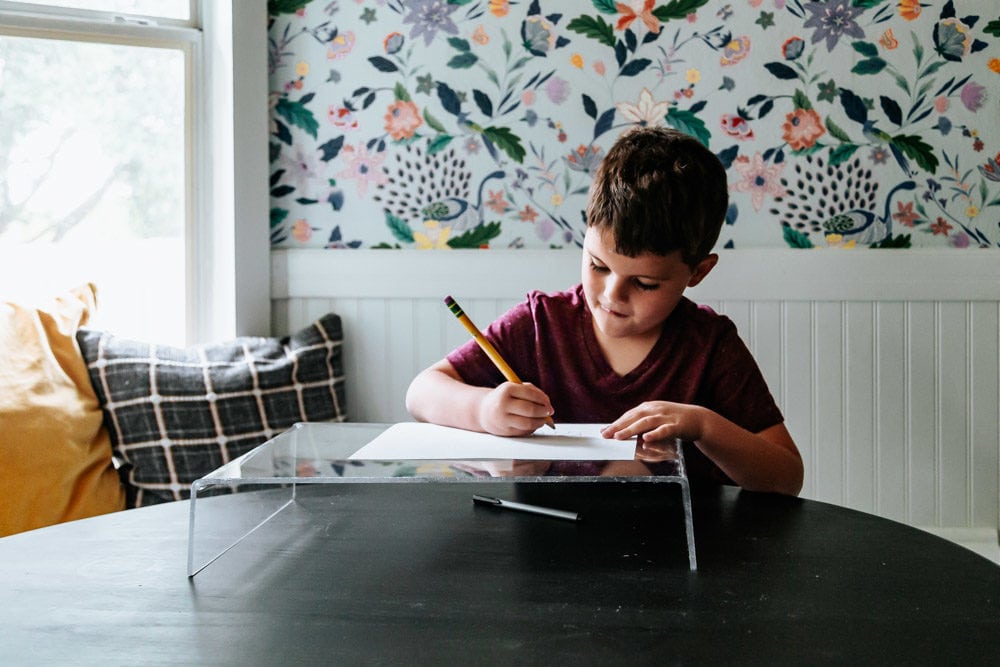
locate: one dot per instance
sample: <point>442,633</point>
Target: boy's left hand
<point>764,461</point>
<point>658,420</point>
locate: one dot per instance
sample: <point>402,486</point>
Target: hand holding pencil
<point>487,347</point>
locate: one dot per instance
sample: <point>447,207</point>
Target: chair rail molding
<point>751,274</point>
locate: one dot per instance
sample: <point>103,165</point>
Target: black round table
<point>418,574</point>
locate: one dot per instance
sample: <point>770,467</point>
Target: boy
<point>625,346</point>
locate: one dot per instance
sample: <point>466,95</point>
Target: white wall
<point>884,362</point>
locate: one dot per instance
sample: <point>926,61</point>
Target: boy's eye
<point>641,284</point>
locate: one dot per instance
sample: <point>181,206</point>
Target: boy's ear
<point>703,268</point>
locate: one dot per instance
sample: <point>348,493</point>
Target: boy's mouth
<point>610,311</point>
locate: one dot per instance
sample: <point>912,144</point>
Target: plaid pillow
<point>176,414</point>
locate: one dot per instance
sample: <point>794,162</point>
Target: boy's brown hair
<point>659,190</point>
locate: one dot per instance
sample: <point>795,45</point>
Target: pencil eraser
<point>448,300</point>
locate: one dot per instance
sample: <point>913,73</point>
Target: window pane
<point>92,178</point>
<point>170,9</point>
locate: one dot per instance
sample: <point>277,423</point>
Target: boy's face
<point>630,297</point>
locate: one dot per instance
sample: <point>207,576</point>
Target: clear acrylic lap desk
<point>265,481</point>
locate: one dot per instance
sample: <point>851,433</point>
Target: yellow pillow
<point>55,454</point>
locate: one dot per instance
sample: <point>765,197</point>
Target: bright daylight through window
<point>95,157</point>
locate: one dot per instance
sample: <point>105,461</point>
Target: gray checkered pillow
<point>176,414</point>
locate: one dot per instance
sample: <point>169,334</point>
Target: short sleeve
<point>735,386</point>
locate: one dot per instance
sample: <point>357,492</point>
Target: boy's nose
<point>614,289</point>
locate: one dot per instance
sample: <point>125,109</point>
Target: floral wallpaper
<point>434,124</point>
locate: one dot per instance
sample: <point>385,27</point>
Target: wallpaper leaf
<point>297,114</point>
<point>427,124</point>
<point>677,9</point>
<point>595,28</point>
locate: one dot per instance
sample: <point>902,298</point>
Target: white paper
<point>568,442</point>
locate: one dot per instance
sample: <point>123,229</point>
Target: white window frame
<point>227,270</point>
<point>233,269</point>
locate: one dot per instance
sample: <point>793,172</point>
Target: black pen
<point>524,507</point>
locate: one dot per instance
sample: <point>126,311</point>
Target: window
<point>116,161</point>
<point>168,9</point>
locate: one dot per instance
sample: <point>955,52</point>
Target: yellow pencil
<point>487,347</point>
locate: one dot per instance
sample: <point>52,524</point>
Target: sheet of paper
<point>568,442</point>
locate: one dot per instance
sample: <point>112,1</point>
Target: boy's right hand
<point>514,409</point>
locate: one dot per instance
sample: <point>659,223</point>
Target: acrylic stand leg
<point>682,479</point>
<point>210,537</point>
<point>689,525</point>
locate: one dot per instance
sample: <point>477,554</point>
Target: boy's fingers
<point>534,395</point>
<point>619,431</point>
<point>649,427</point>
<point>626,426</point>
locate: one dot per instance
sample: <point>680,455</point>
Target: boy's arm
<point>764,461</point>
<point>439,395</point>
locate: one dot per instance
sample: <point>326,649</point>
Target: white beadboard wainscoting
<point>885,363</point>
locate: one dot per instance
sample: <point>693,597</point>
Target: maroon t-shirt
<point>699,359</point>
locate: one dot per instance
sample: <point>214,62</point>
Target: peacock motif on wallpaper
<point>429,198</point>
<point>835,201</point>
<point>865,227</point>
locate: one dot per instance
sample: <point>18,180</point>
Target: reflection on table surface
<point>319,452</point>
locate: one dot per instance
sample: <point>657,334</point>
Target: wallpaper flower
<point>437,124</point>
